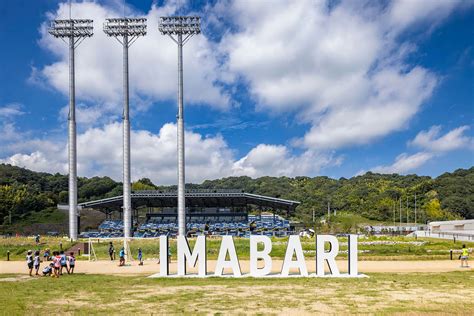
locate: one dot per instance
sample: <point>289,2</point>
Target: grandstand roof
<point>195,198</point>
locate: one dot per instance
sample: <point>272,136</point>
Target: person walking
<point>111,251</point>
<point>464,257</point>
<point>140,257</point>
<point>122,257</point>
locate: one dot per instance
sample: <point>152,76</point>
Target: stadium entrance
<point>210,212</point>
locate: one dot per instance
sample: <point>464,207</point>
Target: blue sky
<point>291,88</point>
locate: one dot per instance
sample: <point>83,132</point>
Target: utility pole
<point>76,31</point>
<point>407,209</point>
<point>415,209</point>
<point>394,207</point>
<point>126,31</point>
<point>400,211</point>
<point>175,27</point>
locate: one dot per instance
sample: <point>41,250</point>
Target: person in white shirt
<point>72,263</point>
<point>36,261</point>
<point>29,261</point>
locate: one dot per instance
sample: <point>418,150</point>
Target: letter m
<point>185,255</point>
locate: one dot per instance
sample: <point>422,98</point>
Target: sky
<point>271,88</point>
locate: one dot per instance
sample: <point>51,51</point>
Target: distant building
<point>458,227</point>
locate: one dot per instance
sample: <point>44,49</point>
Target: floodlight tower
<point>180,29</point>
<point>126,31</point>
<point>76,31</point>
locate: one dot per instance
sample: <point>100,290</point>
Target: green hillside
<point>25,195</point>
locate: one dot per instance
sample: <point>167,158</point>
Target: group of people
<point>122,255</point>
<point>60,262</point>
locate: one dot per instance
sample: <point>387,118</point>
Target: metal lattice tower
<point>76,31</point>
<point>126,31</point>
<point>180,29</point>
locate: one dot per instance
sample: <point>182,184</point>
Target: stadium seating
<point>266,224</point>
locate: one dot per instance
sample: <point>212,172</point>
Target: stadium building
<point>214,212</point>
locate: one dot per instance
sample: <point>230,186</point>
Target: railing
<point>446,235</point>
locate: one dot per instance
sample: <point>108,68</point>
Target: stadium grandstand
<point>212,212</point>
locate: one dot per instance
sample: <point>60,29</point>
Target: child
<point>37,261</point>
<point>464,257</point>
<point>57,263</point>
<point>48,270</point>
<point>29,261</point>
<point>63,261</point>
<point>122,257</point>
<point>72,263</point>
<point>47,255</point>
<point>140,257</point>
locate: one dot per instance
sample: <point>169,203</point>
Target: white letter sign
<point>227,246</point>
<point>164,265</point>
<point>352,253</point>
<point>264,254</point>
<point>294,246</point>
<point>329,256</point>
<point>184,254</point>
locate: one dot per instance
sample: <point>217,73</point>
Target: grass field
<point>445,293</point>
<point>372,248</point>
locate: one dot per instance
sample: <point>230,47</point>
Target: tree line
<point>373,196</point>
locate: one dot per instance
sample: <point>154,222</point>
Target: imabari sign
<point>197,256</point>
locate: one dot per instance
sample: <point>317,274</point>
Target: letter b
<point>264,254</point>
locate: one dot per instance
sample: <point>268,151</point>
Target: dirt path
<point>152,267</point>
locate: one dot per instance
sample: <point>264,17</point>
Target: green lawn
<point>373,248</point>
<point>446,293</point>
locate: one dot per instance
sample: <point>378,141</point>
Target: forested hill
<point>373,196</point>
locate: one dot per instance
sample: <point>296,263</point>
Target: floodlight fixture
<point>126,31</point>
<point>184,25</point>
<point>129,27</point>
<point>76,30</point>
<point>180,29</point>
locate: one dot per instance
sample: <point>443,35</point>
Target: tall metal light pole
<point>180,29</point>
<point>76,31</point>
<point>126,31</point>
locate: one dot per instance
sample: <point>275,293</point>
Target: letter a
<point>294,246</point>
<point>227,246</point>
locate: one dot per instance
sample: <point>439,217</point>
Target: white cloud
<point>276,160</point>
<point>10,110</point>
<point>405,163</point>
<point>403,13</point>
<point>339,67</point>
<point>154,156</point>
<point>153,60</point>
<point>37,160</point>
<point>433,145</point>
<point>432,140</point>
